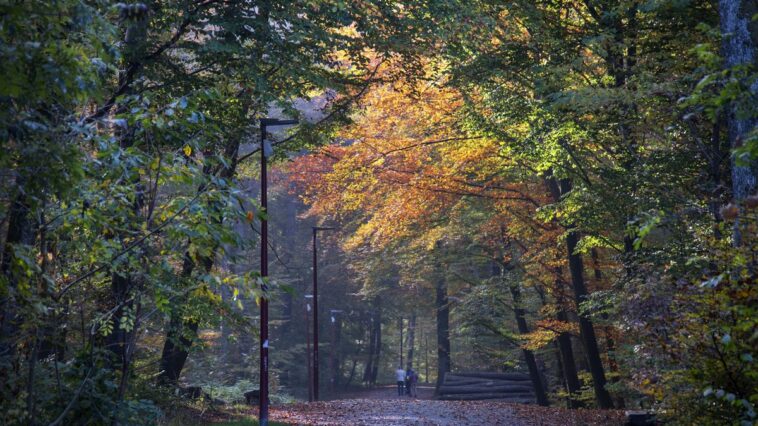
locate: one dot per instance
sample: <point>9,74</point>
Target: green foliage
<point>122,131</point>
<point>126,139</point>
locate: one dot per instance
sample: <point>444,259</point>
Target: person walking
<point>408,374</point>
<point>400,377</point>
<point>414,382</point>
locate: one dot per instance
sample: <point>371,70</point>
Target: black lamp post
<point>315,309</point>
<point>308,345</point>
<point>266,151</point>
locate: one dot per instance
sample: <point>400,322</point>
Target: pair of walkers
<point>406,382</point>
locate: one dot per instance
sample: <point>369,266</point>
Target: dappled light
<point>378,212</point>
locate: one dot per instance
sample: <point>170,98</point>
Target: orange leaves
<point>547,330</point>
<point>407,163</point>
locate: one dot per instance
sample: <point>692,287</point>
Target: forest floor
<point>382,406</point>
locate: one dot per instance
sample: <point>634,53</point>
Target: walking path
<point>382,406</point>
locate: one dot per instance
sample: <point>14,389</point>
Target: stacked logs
<point>510,387</point>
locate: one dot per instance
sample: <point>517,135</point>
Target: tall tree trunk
<point>740,41</point>
<point>378,340</point>
<point>610,344</point>
<point>573,386</point>
<point>443,329</point>
<point>368,368</point>
<point>400,325</point>
<point>411,339</point>
<point>20,232</point>
<point>570,376</point>
<point>426,357</point>
<point>180,333</point>
<point>352,373</point>
<point>178,338</point>
<point>334,358</point>
<point>523,329</point>
<point>531,362</point>
<point>122,282</point>
<point>586,328</point>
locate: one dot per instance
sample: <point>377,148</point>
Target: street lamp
<point>315,309</point>
<point>266,151</point>
<point>308,344</point>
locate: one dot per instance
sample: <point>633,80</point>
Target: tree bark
<point>336,359</point>
<point>740,33</point>
<point>411,339</point>
<point>426,357</point>
<point>122,282</point>
<point>352,373</point>
<point>369,367</point>
<point>573,386</point>
<point>443,329</point>
<point>586,328</point>
<point>610,345</point>
<point>739,44</point>
<point>178,338</point>
<point>378,340</point>
<point>20,232</point>
<point>400,325</point>
<point>531,362</point>
<point>180,334</point>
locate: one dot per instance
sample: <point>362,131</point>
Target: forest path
<point>405,411</point>
<point>382,406</point>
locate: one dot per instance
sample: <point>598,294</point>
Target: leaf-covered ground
<point>382,407</point>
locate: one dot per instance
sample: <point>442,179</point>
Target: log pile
<point>510,387</point>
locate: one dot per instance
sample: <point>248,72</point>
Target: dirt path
<point>382,406</point>
<point>395,411</point>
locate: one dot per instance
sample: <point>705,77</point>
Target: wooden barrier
<point>469,386</point>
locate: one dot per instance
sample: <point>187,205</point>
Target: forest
<point>212,206</point>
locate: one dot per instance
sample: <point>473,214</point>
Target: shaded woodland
<point>553,199</point>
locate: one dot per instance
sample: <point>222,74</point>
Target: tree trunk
<point>378,340</point>
<point>740,39</point>
<point>400,325</point>
<point>610,345</point>
<point>411,339</point>
<point>586,328</point>
<point>443,329</point>
<point>178,338</point>
<point>174,355</point>
<point>369,367</point>
<point>121,281</point>
<point>426,357</point>
<point>523,329</point>
<point>334,358</point>
<point>569,365</point>
<point>352,373</point>
<point>20,232</point>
